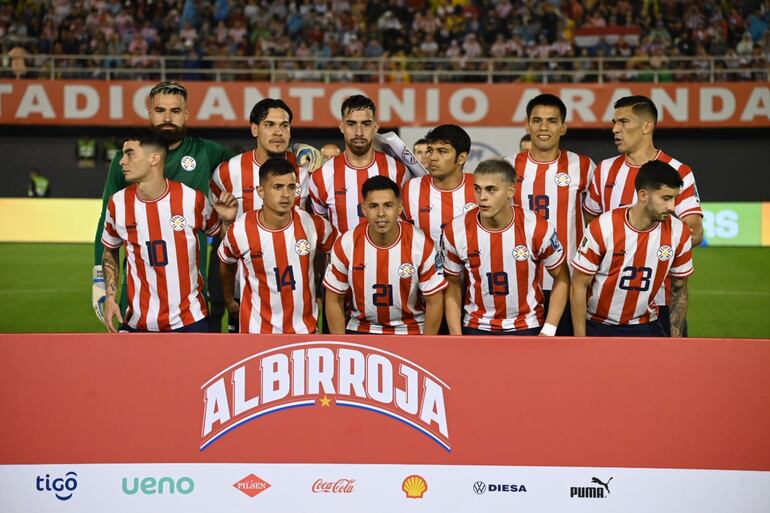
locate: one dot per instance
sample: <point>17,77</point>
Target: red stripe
<point>520,165</point>
<point>629,188</point>
<point>133,242</point>
<point>176,199</point>
<point>282,264</point>
<point>522,267</point>
<point>612,175</point>
<point>255,247</point>
<point>224,175</point>
<point>305,266</point>
<point>585,166</point>
<point>153,223</point>
<point>405,285</point>
<point>248,181</point>
<point>618,246</point>
<point>640,261</point>
<point>423,203</point>
<point>338,184</point>
<point>383,266</point>
<point>357,277</point>
<point>472,237</point>
<point>661,272</point>
<point>563,206</point>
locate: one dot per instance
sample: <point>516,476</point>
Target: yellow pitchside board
<point>48,219</point>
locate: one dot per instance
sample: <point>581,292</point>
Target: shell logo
<point>414,487</point>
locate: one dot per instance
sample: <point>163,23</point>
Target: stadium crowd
<point>644,36</point>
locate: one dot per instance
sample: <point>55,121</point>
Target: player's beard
<point>167,134</point>
<point>276,155</point>
<point>360,151</point>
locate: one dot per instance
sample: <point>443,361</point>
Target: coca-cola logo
<point>338,486</point>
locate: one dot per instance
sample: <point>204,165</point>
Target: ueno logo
<point>353,375</point>
<point>63,487</point>
<point>338,486</point>
<point>151,486</point>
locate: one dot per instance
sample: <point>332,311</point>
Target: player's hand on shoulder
<point>308,157</point>
<point>227,207</point>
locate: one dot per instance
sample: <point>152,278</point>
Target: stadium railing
<point>654,69</point>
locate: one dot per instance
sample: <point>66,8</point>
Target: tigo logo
<point>252,485</point>
<point>151,486</point>
<point>338,486</point>
<point>63,487</point>
<point>414,487</point>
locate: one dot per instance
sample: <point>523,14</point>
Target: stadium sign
<point>732,224</point>
<point>218,105</point>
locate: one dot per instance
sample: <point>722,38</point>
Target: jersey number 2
<point>383,294</point>
<point>641,275</point>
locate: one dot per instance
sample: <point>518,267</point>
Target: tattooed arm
<point>678,306</point>
<point>111,267</point>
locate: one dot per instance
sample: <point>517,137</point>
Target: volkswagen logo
<point>479,487</point>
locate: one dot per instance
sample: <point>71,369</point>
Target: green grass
<point>47,288</point>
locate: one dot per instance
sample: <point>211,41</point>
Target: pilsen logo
<point>310,373</point>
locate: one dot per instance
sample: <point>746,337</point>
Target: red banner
<point>218,105</point>
<point>80,399</point>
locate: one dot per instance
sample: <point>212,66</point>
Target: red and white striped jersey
<point>503,268</point>
<point>629,265</point>
<point>430,208</point>
<point>165,287</point>
<point>385,281</point>
<point>612,186</point>
<point>278,293</point>
<point>554,190</point>
<point>240,177</point>
<point>335,188</point>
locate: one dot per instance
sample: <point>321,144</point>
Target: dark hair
<point>357,102</point>
<point>548,100</point>
<point>655,174</point>
<point>277,166</point>
<point>379,183</point>
<point>525,137</point>
<point>421,141</point>
<point>149,138</point>
<point>259,112</point>
<point>455,136</point>
<point>640,105</point>
<point>168,87</point>
<point>500,166</point>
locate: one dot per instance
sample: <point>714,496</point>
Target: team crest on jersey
<point>178,223</point>
<point>521,253</point>
<point>302,247</point>
<point>665,253</point>
<point>188,163</point>
<point>469,206</point>
<point>406,270</point>
<point>562,179</point>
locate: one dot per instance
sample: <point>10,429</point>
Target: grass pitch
<point>46,288</point>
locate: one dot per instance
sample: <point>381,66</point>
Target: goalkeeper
<point>190,160</point>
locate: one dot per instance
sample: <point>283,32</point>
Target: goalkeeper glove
<point>98,293</point>
<point>308,157</point>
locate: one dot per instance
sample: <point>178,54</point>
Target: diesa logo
<point>151,486</point>
<point>63,487</point>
